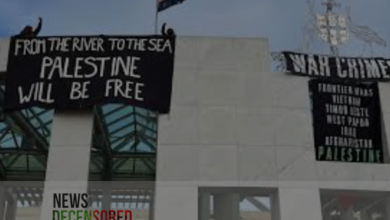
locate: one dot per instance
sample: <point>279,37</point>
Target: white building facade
<point>236,130</point>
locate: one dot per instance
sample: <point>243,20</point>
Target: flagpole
<point>156,19</point>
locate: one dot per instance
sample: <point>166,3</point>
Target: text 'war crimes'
<point>343,68</point>
<point>38,46</point>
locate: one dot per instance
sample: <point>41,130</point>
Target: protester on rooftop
<point>29,31</point>
<point>167,32</point>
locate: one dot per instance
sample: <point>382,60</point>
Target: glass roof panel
<point>20,151</point>
<point>117,115</point>
<point>10,140</point>
<point>143,148</point>
<point>108,108</point>
<point>96,163</point>
<point>129,130</point>
<point>125,132</point>
<point>125,124</point>
<point>136,166</point>
<point>19,164</point>
<point>2,126</point>
<point>40,119</point>
<point>123,145</point>
<point>9,159</point>
<point>34,163</point>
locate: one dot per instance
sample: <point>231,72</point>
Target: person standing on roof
<point>170,32</point>
<point>29,31</point>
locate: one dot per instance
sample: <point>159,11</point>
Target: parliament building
<point>214,133</point>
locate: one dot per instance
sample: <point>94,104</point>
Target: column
<point>106,200</point>
<point>2,201</point>
<point>69,155</point>
<point>275,208</point>
<point>176,202</point>
<point>299,203</point>
<point>204,206</point>
<point>151,205</point>
<point>227,206</point>
<point>12,206</point>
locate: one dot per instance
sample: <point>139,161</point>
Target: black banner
<point>318,66</point>
<point>347,121</point>
<point>77,72</point>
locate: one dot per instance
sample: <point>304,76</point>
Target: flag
<point>165,4</point>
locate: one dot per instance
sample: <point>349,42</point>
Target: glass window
<point>124,143</point>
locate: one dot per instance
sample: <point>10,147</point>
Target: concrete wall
<point>235,123</point>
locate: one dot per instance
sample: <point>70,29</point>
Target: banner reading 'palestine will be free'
<point>77,72</point>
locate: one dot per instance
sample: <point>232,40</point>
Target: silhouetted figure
<point>170,32</point>
<point>29,31</point>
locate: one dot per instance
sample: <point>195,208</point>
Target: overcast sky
<point>279,20</point>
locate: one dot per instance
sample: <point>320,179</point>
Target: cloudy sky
<point>279,20</point>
